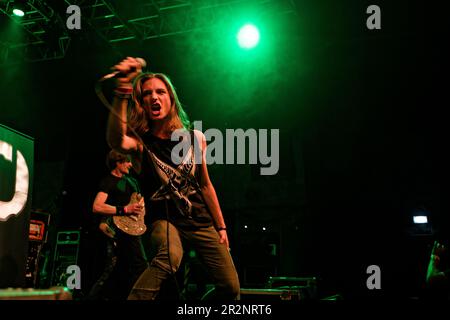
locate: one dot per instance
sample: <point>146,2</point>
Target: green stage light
<point>18,12</point>
<point>248,36</point>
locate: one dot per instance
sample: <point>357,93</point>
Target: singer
<point>182,203</point>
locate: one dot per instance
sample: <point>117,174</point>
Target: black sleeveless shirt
<point>171,191</point>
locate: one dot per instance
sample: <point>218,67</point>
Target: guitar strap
<point>133,183</point>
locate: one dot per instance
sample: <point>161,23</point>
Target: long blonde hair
<point>137,117</point>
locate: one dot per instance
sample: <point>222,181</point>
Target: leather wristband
<point>123,92</point>
<point>124,89</point>
<point>120,211</point>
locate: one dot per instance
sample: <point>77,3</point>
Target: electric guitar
<point>131,224</point>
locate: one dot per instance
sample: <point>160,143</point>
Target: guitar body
<point>131,224</point>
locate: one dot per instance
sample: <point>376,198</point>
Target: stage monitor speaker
<point>54,293</point>
<point>271,294</point>
<point>306,286</point>
<point>264,295</point>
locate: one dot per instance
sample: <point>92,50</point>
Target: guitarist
<point>125,255</point>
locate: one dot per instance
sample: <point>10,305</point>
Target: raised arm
<point>116,133</point>
<point>435,275</point>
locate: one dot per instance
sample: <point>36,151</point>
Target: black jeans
<point>215,257</point>
<point>125,262</point>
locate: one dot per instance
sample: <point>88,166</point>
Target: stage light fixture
<point>248,36</point>
<point>420,222</point>
<point>18,8</point>
<point>420,219</point>
<point>18,12</point>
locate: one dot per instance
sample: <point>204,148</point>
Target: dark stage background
<point>362,137</point>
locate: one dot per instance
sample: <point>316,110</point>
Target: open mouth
<point>155,109</point>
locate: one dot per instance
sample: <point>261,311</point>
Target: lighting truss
<point>116,21</point>
<point>155,19</point>
<point>45,35</point>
